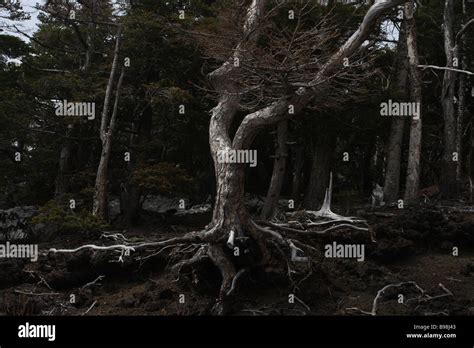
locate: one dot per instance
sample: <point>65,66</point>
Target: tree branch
<point>446,68</point>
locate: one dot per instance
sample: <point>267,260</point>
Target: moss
<point>57,216</point>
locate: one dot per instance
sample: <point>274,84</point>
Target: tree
<point>273,72</point>
<point>395,141</point>
<point>271,203</point>
<point>414,151</point>
<point>107,128</point>
<point>230,217</point>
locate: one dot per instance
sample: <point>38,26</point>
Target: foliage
<point>60,218</point>
<point>163,178</point>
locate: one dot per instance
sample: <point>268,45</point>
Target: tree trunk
<point>273,195</point>
<point>100,200</point>
<point>448,173</point>
<point>460,45</point>
<point>414,152</point>
<point>459,125</point>
<point>395,141</point>
<point>101,184</point>
<point>320,170</point>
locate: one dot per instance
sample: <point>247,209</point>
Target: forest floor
<point>411,245</point>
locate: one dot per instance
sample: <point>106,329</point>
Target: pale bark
<point>100,200</point>
<point>273,195</point>
<point>414,152</point>
<point>223,113</point>
<point>101,190</point>
<point>395,141</point>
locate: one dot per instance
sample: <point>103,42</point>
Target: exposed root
<point>227,269</point>
<point>199,256</point>
<point>424,297</point>
<point>234,281</point>
<point>37,293</point>
<point>90,308</point>
<point>92,283</point>
<point>187,238</point>
<point>217,243</point>
<point>308,226</point>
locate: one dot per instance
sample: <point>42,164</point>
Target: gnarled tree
<point>273,73</point>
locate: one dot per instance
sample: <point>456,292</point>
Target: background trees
<point>162,115</point>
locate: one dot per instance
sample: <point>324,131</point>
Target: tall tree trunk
<point>459,47</point>
<point>448,173</point>
<point>414,152</point>
<point>100,200</point>
<point>395,141</point>
<point>459,125</point>
<point>273,195</point>
<point>320,170</point>
<point>100,207</point>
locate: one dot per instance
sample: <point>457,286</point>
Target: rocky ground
<point>412,245</point>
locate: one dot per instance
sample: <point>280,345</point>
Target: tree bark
<point>459,125</point>
<point>448,173</point>
<point>100,200</point>
<point>395,141</point>
<point>460,45</point>
<point>101,190</point>
<point>320,170</point>
<point>273,195</point>
<point>414,153</point>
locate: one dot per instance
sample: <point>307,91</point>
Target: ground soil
<point>411,245</point>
